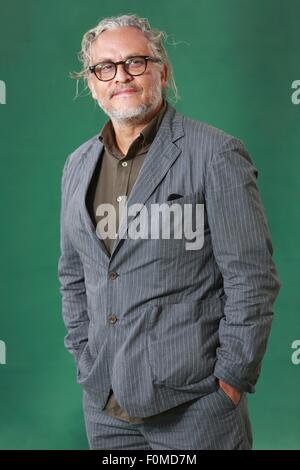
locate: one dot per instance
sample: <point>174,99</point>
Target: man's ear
<point>92,88</point>
<point>164,76</point>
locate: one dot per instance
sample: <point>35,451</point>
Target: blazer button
<point>112,275</point>
<point>112,319</point>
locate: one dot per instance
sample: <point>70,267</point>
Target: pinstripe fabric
<point>211,422</point>
<point>183,317</point>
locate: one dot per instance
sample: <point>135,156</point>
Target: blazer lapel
<point>161,155</point>
<point>91,159</point>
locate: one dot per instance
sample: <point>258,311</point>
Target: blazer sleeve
<point>71,278</point>
<point>243,251</point>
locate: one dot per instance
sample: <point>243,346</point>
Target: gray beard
<point>136,115</point>
<point>127,116</point>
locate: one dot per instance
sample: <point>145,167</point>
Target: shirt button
<point>112,275</point>
<point>112,319</point>
<point>124,164</point>
<point>119,198</point>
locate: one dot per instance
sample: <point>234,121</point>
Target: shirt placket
<point>124,169</point>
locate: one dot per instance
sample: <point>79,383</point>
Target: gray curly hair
<point>155,37</point>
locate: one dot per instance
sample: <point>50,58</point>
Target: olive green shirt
<point>113,178</point>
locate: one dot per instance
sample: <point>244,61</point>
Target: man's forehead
<point>119,46</point>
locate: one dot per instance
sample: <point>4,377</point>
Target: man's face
<point>146,89</point>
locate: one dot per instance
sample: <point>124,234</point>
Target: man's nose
<point>122,75</point>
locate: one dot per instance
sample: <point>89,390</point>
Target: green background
<point>234,63</point>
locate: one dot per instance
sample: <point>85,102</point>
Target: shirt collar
<point>146,136</point>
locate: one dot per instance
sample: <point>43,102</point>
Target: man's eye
<point>135,61</point>
<point>105,67</point>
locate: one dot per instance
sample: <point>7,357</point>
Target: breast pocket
<point>180,224</point>
<point>182,341</point>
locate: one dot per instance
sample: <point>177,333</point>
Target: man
<point>167,340</point>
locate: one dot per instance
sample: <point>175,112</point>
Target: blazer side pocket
<point>182,340</point>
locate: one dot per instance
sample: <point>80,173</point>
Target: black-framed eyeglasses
<point>135,65</point>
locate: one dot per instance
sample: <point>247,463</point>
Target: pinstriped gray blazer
<point>183,317</point>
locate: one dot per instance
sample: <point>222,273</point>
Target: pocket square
<point>173,196</point>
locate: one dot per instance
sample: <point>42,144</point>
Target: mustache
<point>124,88</point>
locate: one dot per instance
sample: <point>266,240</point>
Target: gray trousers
<point>210,422</point>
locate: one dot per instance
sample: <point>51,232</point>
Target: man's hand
<point>233,393</point>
